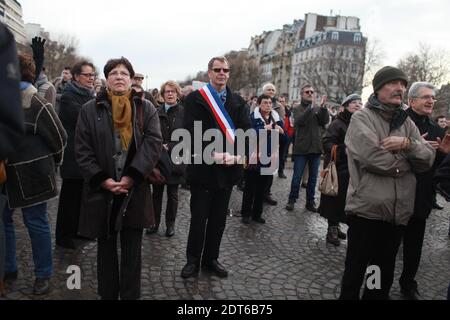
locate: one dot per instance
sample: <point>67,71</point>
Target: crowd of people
<point>111,142</point>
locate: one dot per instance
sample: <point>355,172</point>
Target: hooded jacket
<point>383,183</point>
<point>31,170</point>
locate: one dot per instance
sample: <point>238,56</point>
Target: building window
<point>335,36</point>
<point>354,68</point>
<point>333,52</point>
<point>357,38</point>
<point>330,80</point>
<point>332,66</point>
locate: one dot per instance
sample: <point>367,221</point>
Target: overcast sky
<point>173,39</point>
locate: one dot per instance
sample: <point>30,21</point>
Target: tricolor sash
<point>220,113</point>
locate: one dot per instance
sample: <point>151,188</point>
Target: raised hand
<point>37,44</point>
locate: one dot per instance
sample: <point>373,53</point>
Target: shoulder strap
<point>334,153</point>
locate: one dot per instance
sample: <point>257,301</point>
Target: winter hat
<point>349,99</point>
<point>386,75</point>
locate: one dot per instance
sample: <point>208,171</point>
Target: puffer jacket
<point>383,183</point>
<point>31,170</point>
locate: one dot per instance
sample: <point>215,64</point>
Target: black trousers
<point>252,200</point>
<point>68,215</point>
<point>412,252</point>
<point>123,282</point>
<point>172,203</point>
<point>370,243</point>
<point>208,218</point>
<point>268,186</point>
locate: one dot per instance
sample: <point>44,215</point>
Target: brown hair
<point>27,68</point>
<point>111,64</point>
<point>221,59</point>
<point>78,68</point>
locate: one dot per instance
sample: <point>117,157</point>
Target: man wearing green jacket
<point>385,150</point>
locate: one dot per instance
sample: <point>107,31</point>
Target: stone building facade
<point>329,54</point>
<point>11,16</point>
<point>326,51</point>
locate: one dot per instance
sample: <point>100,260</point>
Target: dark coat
<point>171,121</point>
<point>424,189</point>
<point>441,179</point>
<point>31,169</point>
<point>196,109</point>
<point>333,208</point>
<point>11,114</point>
<point>309,125</point>
<point>95,149</point>
<point>72,99</point>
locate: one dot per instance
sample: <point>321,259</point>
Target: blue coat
<point>258,124</point>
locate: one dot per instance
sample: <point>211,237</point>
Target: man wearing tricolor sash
<point>213,107</point>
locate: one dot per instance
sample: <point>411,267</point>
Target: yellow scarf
<point>122,113</point>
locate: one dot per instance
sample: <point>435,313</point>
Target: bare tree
<point>375,56</point>
<point>58,54</point>
<point>245,72</point>
<point>426,64</point>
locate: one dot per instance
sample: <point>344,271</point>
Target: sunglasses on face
<point>218,70</point>
<point>309,92</point>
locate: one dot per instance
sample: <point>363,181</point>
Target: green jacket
<point>309,125</point>
<point>383,183</point>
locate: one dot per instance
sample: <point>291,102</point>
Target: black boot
<point>332,236</point>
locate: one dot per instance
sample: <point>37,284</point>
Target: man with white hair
<point>270,90</point>
<point>422,98</point>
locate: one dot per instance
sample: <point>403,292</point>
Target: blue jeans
<point>36,221</point>
<point>313,160</point>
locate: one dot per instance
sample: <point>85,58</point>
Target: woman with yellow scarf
<point>118,142</point>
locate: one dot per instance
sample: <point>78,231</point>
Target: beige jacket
<point>382,183</point>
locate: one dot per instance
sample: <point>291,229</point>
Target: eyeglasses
<point>170,91</point>
<point>218,70</point>
<point>88,75</point>
<point>426,98</point>
<point>309,92</point>
<point>116,74</point>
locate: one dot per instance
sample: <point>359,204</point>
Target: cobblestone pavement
<point>286,259</point>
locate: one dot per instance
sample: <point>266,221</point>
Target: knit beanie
<point>386,75</point>
<point>349,99</point>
